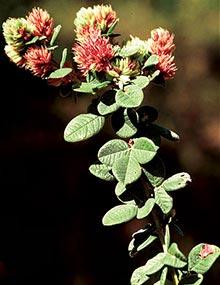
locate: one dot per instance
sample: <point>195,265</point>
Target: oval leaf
<point>141,81</point>
<point>163,200</point>
<point>83,127</point>
<point>143,149</point>
<point>126,169</point>
<point>119,214</point>
<point>176,181</point>
<point>130,98</point>
<point>113,150</point>
<point>155,264</point>
<point>101,171</point>
<point>139,276</point>
<point>60,73</point>
<point>124,122</point>
<point>201,261</point>
<point>55,34</point>
<point>146,209</point>
<point>173,261</point>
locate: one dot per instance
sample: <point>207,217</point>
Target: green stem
<point>160,230</point>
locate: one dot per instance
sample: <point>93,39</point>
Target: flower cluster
<point>27,40</point>
<point>28,44</point>
<point>161,44</point>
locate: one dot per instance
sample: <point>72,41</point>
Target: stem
<point>159,228</point>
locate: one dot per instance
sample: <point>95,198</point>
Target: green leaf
<point>146,209</point>
<point>154,75</point>
<point>60,73</point>
<point>141,81</point>
<point>147,242</point>
<point>90,87</point>
<point>124,122</point>
<point>139,276</point>
<point>63,59</point>
<point>152,60</point>
<point>120,189</point>
<point>155,171</point>
<point>143,149</point>
<point>173,261</point>
<point>83,127</point>
<point>131,97</point>
<point>101,171</point>
<point>119,214</point>
<point>55,34</point>
<point>154,264</point>
<point>112,27</point>
<point>163,200</point>
<point>174,250</point>
<point>128,51</point>
<point>163,276</point>
<point>192,279</point>
<point>200,264</point>
<point>176,181</point>
<point>32,41</point>
<point>107,103</point>
<point>113,150</point>
<point>126,169</point>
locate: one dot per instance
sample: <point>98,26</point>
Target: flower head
<point>94,53</point>
<point>42,22</point>
<point>125,66</point>
<point>99,17</point>
<point>38,60</point>
<point>138,46</point>
<point>14,55</point>
<point>161,44</point>
<point>17,32</point>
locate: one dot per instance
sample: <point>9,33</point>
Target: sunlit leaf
<point>119,214</point>
<point>101,171</point>
<point>83,127</point>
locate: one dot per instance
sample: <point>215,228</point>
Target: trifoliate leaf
<point>143,149</point>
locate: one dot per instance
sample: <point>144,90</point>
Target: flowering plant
<point>115,76</point>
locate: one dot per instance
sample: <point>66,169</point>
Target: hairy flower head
<point>42,22</point>
<point>94,53</point>
<point>14,55</point>
<point>161,43</point>
<point>17,31</point>
<point>139,46</point>
<point>124,66</point>
<point>38,61</point>
<point>99,17</point>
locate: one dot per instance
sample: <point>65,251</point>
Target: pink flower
<point>100,17</point>
<point>161,44</point>
<point>42,22</point>
<point>38,60</point>
<point>93,53</point>
<point>206,250</point>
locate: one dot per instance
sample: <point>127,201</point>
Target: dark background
<point>51,207</point>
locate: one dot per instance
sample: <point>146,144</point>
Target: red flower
<point>42,22</point>
<point>38,60</point>
<point>93,53</point>
<point>161,44</point>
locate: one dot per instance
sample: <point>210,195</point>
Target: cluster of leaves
<point>131,160</point>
